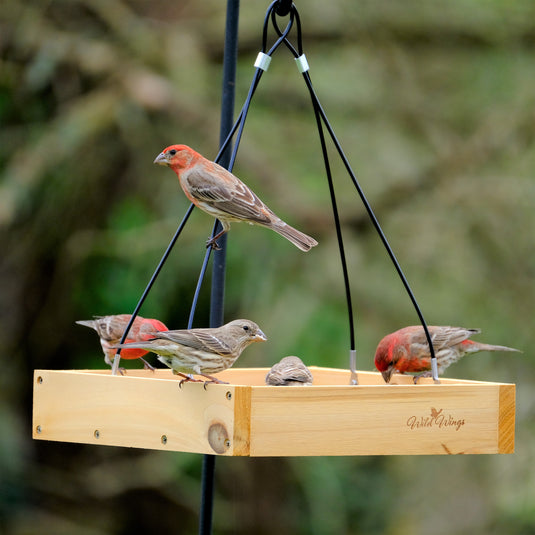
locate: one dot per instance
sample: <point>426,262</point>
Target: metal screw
<point>229,395</point>
<point>227,443</point>
<point>38,429</point>
<point>164,439</point>
<point>96,433</point>
<point>40,380</point>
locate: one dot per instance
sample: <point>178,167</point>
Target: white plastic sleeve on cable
<point>353,367</point>
<point>302,64</point>
<point>434,368</point>
<point>262,61</point>
<point>353,360</point>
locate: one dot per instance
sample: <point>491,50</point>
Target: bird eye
<point>172,152</point>
<point>246,327</point>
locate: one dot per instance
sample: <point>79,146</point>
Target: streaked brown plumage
<point>221,194</point>
<point>407,350</point>
<point>290,371</point>
<point>110,330</point>
<point>202,351</point>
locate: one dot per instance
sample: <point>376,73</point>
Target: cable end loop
<point>262,61</point>
<point>302,64</point>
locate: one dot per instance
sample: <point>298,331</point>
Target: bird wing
<point>201,339</point>
<point>299,374</point>
<point>227,193</point>
<point>448,336</point>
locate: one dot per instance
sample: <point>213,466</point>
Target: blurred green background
<point>434,103</point>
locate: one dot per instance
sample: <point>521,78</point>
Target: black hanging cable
<point>117,358</point>
<point>199,284</point>
<point>240,121</point>
<point>319,110</point>
<point>299,53</point>
<point>238,125</point>
<point>254,84</point>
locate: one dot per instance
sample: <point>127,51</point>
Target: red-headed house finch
<point>111,328</point>
<point>202,351</point>
<point>407,350</point>
<point>219,193</point>
<point>290,371</point>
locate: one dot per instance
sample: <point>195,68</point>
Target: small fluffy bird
<point>407,350</point>
<point>221,194</point>
<point>110,330</point>
<point>202,351</point>
<point>290,371</point>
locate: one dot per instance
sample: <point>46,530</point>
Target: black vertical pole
<point>230,57</point>
<point>219,257</point>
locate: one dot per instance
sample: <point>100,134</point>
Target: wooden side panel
<point>506,419</point>
<point>382,420</point>
<point>140,412</point>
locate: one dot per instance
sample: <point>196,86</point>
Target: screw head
<point>38,429</point>
<point>164,439</point>
<point>96,434</point>
<point>228,395</point>
<point>39,380</point>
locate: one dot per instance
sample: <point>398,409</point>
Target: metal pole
<point>219,257</point>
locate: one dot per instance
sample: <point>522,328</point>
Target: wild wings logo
<point>437,418</point>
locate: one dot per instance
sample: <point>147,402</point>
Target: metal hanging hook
<point>282,7</point>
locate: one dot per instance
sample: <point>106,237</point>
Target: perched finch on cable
<point>202,351</point>
<point>407,350</point>
<point>111,328</point>
<point>219,193</point>
<point>290,371</point>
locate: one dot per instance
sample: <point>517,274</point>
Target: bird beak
<point>260,336</point>
<point>161,159</point>
<point>387,374</point>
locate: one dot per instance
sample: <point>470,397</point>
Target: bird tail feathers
<point>299,239</point>
<point>87,323</point>
<point>489,347</point>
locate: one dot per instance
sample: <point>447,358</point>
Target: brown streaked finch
<point>110,330</point>
<point>290,371</point>
<point>221,194</point>
<point>407,350</point>
<point>202,351</point>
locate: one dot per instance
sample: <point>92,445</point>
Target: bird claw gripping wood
<point>146,365</point>
<point>186,378</point>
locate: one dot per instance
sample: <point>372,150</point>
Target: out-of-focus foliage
<point>434,105</point>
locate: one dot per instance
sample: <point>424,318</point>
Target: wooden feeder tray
<point>145,409</point>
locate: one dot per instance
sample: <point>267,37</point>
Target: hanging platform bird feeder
<point>145,409</point>
<point>334,416</point>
